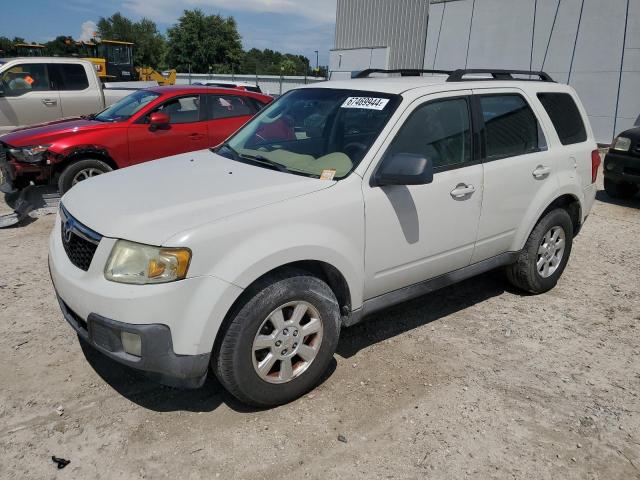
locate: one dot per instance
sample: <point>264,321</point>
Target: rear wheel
<point>545,255</point>
<point>281,340</point>
<point>79,171</point>
<point>619,189</point>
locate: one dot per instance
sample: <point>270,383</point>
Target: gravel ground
<point>473,381</point>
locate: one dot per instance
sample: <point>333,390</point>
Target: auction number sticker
<point>368,103</point>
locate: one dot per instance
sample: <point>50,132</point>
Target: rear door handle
<point>49,102</point>
<point>196,136</point>
<point>462,190</point>
<point>541,171</point>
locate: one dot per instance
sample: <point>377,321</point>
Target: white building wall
<point>584,47</point>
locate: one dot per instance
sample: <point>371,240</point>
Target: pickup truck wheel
<point>80,170</point>
<point>545,255</point>
<point>619,190</point>
<point>281,340</point>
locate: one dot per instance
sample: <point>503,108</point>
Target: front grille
<point>79,242</point>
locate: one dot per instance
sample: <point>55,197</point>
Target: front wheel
<point>281,340</point>
<point>545,255</point>
<point>79,171</point>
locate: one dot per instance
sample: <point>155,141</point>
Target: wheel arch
<point>87,152</point>
<point>568,201</point>
<point>323,270</point>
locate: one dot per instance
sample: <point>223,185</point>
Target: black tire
<point>524,272</point>
<point>619,190</point>
<point>234,355</point>
<point>65,182</point>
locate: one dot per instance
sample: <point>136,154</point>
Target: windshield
<point>317,132</point>
<point>126,107</point>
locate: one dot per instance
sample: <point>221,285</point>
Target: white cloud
<point>166,11</point>
<point>89,28</point>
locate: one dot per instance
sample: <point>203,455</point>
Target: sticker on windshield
<point>368,103</point>
<point>327,174</point>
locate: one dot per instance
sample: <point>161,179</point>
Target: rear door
<point>186,132</point>
<point>29,95</point>
<point>226,113</point>
<point>518,166</point>
<point>79,95</point>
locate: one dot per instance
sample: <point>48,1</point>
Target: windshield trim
<point>394,102</point>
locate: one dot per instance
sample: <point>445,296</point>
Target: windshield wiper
<point>266,161</point>
<point>252,158</point>
<point>236,154</point>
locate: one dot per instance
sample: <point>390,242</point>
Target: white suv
<point>335,201</point>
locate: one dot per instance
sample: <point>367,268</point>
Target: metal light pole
<point>317,63</point>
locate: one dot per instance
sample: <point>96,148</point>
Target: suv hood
<point>48,132</point>
<point>151,202</point>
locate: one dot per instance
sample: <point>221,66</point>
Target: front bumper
<point>177,322</point>
<point>622,168</point>
<point>157,356</point>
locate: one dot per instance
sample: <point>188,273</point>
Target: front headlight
<point>622,143</point>
<point>32,154</point>
<point>139,264</point>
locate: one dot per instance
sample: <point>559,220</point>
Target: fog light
<point>132,343</point>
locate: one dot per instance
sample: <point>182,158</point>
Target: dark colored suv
<point>622,165</point>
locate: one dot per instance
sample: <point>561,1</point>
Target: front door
<point>418,232</point>
<point>186,132</point>
<point>28,96</point>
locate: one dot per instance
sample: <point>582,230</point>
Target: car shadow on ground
<point>422,311</point>
<point>381,326</point>
<point>633,202</point>
<point>148,394</point>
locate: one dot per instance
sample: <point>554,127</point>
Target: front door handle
<point>462,190</point>
<point>49,102</point>
<point>196,136</point>
<point>541,171</point>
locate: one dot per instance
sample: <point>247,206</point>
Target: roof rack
<point>404,72</point>
<point>457,75</point>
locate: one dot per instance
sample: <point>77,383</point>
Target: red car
<point>148,124</point>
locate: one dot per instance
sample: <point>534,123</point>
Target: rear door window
<point>565,117</point>
<point>25,78</point>
<point>229,106</point>
<point>511,127</point>
<point>71,76</point>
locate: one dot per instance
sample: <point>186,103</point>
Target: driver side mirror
<point>403,169</point>
<point>158,120</point>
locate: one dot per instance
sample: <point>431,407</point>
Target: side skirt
<point>422,288</point>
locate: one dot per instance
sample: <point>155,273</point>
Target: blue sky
<point>293,26</point>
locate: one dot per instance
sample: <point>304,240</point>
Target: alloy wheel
<point>287,342</point>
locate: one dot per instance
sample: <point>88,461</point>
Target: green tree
<point>63,46</point>
<point>7,46</point>
<point>150,45</point>
<point>204,43</point>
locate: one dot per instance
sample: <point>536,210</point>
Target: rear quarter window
<point>565,117</point>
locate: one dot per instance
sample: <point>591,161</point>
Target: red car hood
<point>44,133</point>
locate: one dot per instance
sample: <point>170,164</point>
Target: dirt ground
<point>473,381</point>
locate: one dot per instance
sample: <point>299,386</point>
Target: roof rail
<point>457,75</point>
<point>404,72</point>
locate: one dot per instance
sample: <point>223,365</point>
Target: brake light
<point>595,165</point>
